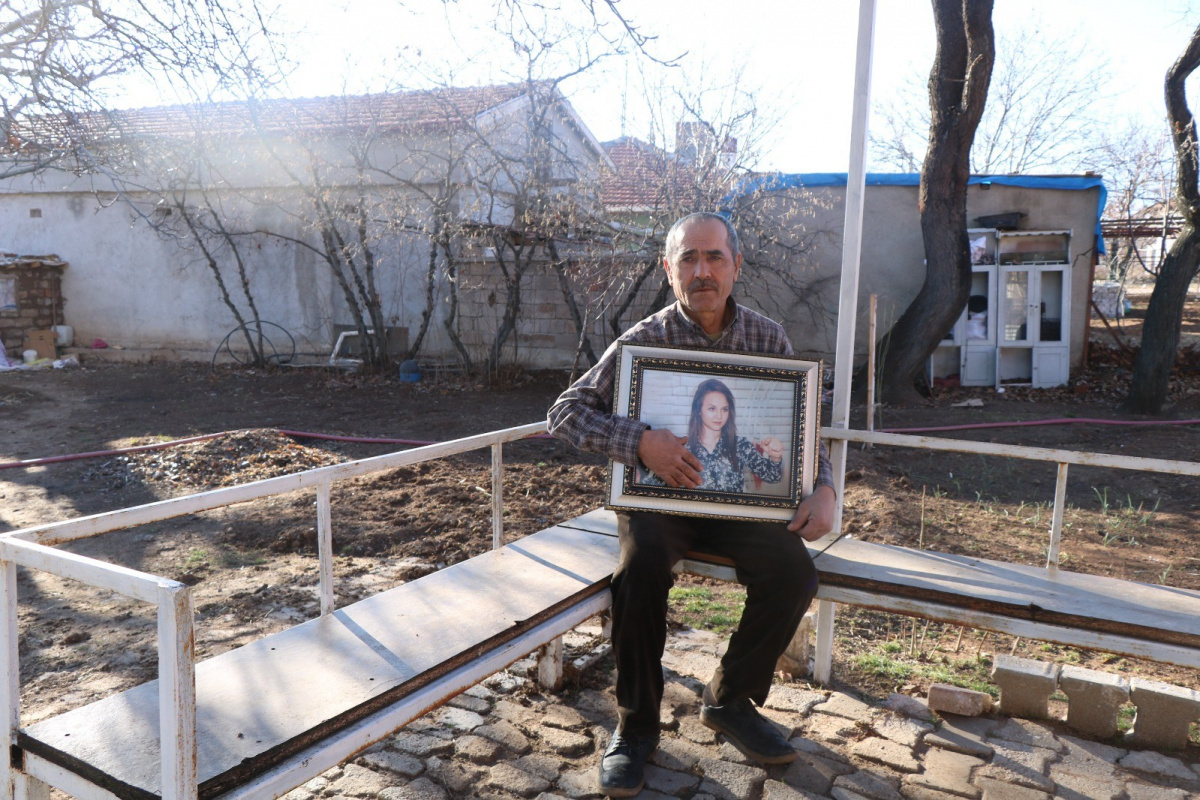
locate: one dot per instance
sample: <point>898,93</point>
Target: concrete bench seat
<point>264,707</point>
<point>1160,623</point>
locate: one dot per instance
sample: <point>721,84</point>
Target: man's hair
<point>671,246</point>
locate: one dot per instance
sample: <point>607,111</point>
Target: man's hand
<point>814,518</point>
<point>772,448</point>
<point>664,454</point>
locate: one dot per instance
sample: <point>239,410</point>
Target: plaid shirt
<point>582,415</point>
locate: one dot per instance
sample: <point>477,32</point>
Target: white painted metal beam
<point>129,582</point>
<point>177,693</point>
<point>1017,451</point>
<point>38,768</point>
<point>325,549</point>
<point>84,527</point>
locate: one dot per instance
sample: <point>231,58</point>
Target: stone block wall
<point>30,297</point>
<point>546,336</point>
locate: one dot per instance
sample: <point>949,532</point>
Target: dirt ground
<point>254,571</point>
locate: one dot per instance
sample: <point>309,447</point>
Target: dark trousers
<point>771,562</point>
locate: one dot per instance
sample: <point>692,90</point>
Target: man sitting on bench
<point>702,261</point>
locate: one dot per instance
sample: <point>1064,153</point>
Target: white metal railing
<point>32,548</point>
<point>1062,458</point>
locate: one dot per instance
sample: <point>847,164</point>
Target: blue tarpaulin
<point>811,180</point>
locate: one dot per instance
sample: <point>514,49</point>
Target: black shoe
<point>624,761</point>
<point>747,730</point>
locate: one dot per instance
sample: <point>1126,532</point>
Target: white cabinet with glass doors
<point>1014,329</point>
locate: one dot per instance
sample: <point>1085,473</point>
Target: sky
<point>801,53</point>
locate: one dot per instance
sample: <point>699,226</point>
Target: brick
<point>1164,713</point>
<point>901,730</point>
<point>774,790</point>
<point>999,790</point>
<point>908,706</point>
<point>477,749</point>
<point>400,763</point>
<point>846,706</point>
<point>1025,686</point>
<point>565,743</point>
<point>946,772</point>
<point>891,754</point>
<point>1158,766</point>
<point>1030,732</point>
<point>956,700</point>
<point>725,780</point>
<point>669,781</point>
<point>1095,700</point>
<point>507,777</point>
<point>359,781</point>
<point>813,772</point>
<point>1021,764</point>
<point>787,698</point>
<point>866,784</point>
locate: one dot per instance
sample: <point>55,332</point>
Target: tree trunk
<point>1160,332</point>
<point>958,87</point>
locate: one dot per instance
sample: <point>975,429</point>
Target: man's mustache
<point>699,284</point>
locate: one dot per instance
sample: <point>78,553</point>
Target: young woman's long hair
<point>728,433</point>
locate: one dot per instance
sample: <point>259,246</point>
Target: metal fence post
<point>325,548</point>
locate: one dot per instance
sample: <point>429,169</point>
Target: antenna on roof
<point>624,99</point>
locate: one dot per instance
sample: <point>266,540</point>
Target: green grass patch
<point>890,661</point>
<point>704,608</point>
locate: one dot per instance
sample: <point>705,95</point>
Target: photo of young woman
<point>712,437</point>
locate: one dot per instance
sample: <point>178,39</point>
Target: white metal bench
<point>262,719</point>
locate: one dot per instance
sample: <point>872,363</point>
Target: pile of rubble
<point>238,457</point>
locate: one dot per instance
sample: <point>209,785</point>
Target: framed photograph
<point>751,420</point>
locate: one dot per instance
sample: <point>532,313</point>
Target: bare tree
<point>1160,331</point>
<point>60,60</point>
<point>1042,109</point>
<point>958,88</point>
<point>1138,169</point>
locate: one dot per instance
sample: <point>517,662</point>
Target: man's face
<point>702,270</point>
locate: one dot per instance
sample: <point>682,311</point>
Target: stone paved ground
<point>501,740</point>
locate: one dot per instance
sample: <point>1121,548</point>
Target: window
<point>8,293</point>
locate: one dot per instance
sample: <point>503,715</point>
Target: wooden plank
<point>1065,599</point>
<point>260,703</point>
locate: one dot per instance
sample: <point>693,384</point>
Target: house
<point>1034,238</point>
<point>181,222</point>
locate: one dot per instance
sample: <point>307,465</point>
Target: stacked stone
<point>504,740</point>
<point>38,295</point>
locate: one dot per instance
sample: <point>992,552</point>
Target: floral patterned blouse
<point>717,473</point>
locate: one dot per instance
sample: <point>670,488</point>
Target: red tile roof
<point>640,178</point>
<point>649,178</point>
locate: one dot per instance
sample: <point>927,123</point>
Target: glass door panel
<point>1050,326</point>
<point>1016,306</point>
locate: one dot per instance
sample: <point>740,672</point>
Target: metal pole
<point>1060,500</point>
<point>325,548</point>
<point>871,365</point>
<point>856,183</point>
<point>10,682</point>
<point>177,693</point>
<point>497,495</point>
